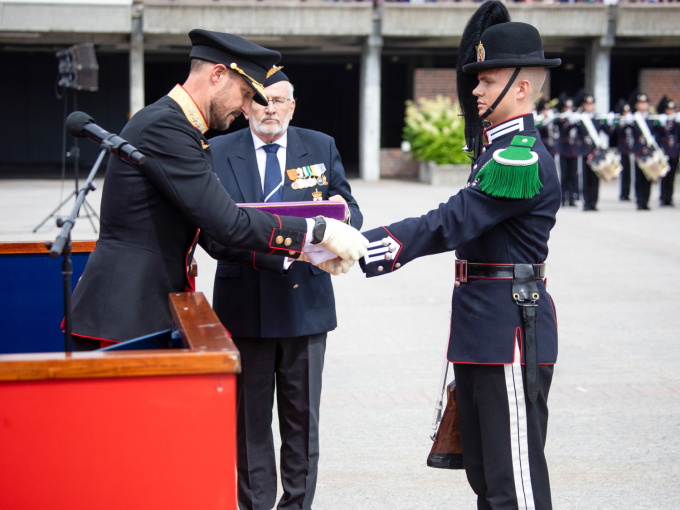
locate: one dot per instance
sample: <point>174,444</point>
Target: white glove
<point>318,255</point>
<point>336,266</point>
<point>345,241</point>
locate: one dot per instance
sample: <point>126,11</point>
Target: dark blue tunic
<point>485,320</point>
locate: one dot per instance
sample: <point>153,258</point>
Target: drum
<point>653,163</point>
<point>605,163</point>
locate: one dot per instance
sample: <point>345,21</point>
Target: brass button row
<point>287,242</point>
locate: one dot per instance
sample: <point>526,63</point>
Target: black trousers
<point>624,178</point>
<point>503,436</point>
<point>569,179</point>
<point>591,187</point>
<point>668,182</point>
<point>643,188</point>
<point>292,367</point>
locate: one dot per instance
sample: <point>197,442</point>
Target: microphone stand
<point>63,246</point>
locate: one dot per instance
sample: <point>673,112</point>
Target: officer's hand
<point>341,200</point>
<point>336,266</point>
<point>345,241</point>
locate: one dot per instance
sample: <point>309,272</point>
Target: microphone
<point>81,125</point>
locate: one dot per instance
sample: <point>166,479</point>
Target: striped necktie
<point>273,179</point>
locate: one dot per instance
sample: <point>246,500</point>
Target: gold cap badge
<point>273,70</point>
<point>317,195</point>
<point>481,53</point>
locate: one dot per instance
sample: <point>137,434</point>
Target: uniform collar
<point>257,141</point>
<point>189,107</point>
<point>515,124</point>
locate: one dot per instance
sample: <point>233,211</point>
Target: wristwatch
<point>319,229</point>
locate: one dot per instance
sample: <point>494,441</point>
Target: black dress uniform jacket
<point>150,220</point>
<point>253,303</point>
<point>485,320</point>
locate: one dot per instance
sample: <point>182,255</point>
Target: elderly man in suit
<point>279,323</point>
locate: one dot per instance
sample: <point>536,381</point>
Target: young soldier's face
<point>491,84</point>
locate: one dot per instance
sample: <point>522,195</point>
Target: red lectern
<point>137,429</point>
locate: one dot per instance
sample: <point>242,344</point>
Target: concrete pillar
<point>369,116</point>
<point>137,59</point>
<point>598,70</point>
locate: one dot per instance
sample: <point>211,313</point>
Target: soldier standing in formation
<point>667,131</point>
<point>568,153</point>
<point>586,146</point>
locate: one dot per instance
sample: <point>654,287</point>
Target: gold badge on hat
<point>481,52</point>
<point>256,85</point>
<point>273,70</point>
<point>317,196</point>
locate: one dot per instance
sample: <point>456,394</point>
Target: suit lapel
<point>244,166</point>
<point>295,152</point>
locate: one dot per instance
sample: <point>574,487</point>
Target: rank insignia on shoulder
<point>317,196</point>
<point>204,145</point>
<point>512,172</point>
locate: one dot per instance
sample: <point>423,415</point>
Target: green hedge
<point>435,131</point>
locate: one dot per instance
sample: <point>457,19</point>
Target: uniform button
<point>380,268</point>
<point>474,167</point>
<point>288,241</point>
<point>388,256</point>
<point>295,286</point>
<point>393,247</point>
<point>483,150</point>
<point>397,265</point>
<point>385,241</point>
<point>279,239</point>
<point>292,252</point>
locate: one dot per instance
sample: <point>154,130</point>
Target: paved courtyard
<point>614,431</point>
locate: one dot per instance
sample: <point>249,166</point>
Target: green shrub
<point>435,131</point>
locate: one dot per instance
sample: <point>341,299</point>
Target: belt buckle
<point>461,272</point>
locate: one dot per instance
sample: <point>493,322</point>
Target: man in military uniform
<point>279,324</point>
<point>585,102</point>
<point>151,214</point>
<point>643,186</point>
<point>503,328</point>
<point>625,140</point>
<point>667,132</point>
<point>568,152</point>
<point>547,127</point>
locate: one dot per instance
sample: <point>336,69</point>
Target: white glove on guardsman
<point>329,234</point>
<point>334,265</point>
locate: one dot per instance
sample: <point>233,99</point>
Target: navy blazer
<point>253,303</point>
<point>485,321</point>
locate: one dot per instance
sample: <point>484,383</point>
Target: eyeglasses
<point>277,101</point>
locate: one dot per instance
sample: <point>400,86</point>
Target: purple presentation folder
<point>325,208</point>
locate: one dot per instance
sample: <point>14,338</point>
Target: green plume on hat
<point>512,172</point>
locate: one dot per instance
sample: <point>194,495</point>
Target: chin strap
<point>491,108</point>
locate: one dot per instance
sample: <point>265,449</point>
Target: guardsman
<point>625,136</point>
<point>643,186</point>
<point>547,127</point>
<point>667,132</point>
<point>585,102</point>
<point>503,340</point>
<point>151,214</point>
<point>279,324</point>
<point>567,149</point>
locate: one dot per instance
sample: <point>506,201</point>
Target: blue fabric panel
<point>32,301</point>
<point>160,340</point>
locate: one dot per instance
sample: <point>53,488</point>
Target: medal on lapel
<point>308,176</point>
<point>317,196</point>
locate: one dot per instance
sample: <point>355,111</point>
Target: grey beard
<point>277,129</point>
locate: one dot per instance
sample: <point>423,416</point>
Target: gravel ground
<point>614,430</point>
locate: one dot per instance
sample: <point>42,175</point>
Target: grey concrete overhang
<point>37,17</point>
<point>448,20</point>
<point>260,19</point>
<point>644,20</point>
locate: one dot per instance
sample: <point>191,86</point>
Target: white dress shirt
<point>261,155</point>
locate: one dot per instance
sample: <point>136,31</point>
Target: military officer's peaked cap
<point>510,44</point>
<point>254,63</point>
<point>665,104</point>
<point>275,78</point>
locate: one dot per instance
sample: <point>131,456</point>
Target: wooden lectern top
<point>209,350</point>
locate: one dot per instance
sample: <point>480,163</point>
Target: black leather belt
<point>473,270</point>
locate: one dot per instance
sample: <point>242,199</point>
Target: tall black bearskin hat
<point>582,96</point>
<point>621,106</point>
<point>665,104</point>
<point>489,13</point>
<point>637,96</point>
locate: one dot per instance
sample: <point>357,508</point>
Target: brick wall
<point>394,163</point>
<point>659,82</point>
<point>430,83</point>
